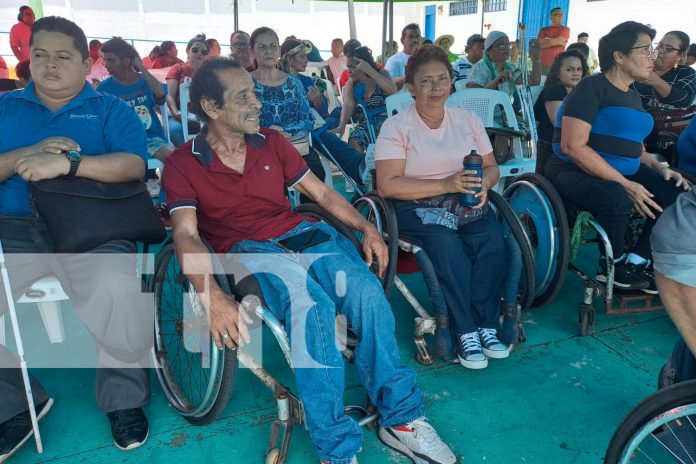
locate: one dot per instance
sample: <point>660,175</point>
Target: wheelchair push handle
<point>472,162</point>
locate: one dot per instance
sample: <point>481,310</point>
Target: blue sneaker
<point>492,347</point>
<point>471,353</point>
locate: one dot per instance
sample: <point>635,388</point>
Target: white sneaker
<point>419,442</point>
<point>470,351</point>
<point>492,347</point>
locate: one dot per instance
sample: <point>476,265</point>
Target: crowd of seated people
<point>595,138</point>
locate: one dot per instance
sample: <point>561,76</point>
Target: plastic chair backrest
<point>483,102</point>
<point>164,111</point>
<point>398,102</point>
<point>459,85</point>
<point>535,91</point>
<point>333,99</point>
<point>183,106</point>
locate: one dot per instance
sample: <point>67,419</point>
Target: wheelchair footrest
<point>635,302</point>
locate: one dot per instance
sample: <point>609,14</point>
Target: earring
<point>676,64</point>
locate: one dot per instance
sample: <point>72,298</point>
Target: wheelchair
<point>196,377</point>
<point>546,220</point>
<point>406,257</point>
<point>660,429</point>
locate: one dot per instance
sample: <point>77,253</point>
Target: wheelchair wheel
<point>662,428</point>
<point>541,212</point>
<point>196,378</point>
<point>511,225</point>
<point>379,212</point>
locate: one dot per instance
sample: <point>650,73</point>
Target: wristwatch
<point>74,157</point>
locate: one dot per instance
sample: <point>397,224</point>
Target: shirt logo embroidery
<point>267,167</point>
<point>83,116</point>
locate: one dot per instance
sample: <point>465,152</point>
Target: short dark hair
<point>351,45</point>
<point>620,39</point>
<point>64,26</point>
<point>209,42</point>
<point>237,32</point>
<point>22,9</point>
<point>683,38</point>
<point>94,43</point>
<point>206,83</point>
<point>411,26</point>
<point>691,50</point>
<point>426,54</point>
<point>583,34</point>
<point>362,53</point>
<point>199,38</point>
<point>165,47</point>
<point>22,70</point>
<point>554,71</point>
<point>259,31</point>
<point>120,48</point>
<point>581,48</point>
<point>554,9</point>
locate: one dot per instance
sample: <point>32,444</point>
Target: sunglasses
<point>197,50</point>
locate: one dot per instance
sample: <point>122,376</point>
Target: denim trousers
<point>346,156</point>
<point>306,291</point>
<point>467,262</point>
<point>609,202</point>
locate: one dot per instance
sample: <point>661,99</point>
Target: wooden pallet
<point>635,302</point>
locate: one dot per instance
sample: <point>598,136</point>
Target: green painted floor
<point>556,400</point>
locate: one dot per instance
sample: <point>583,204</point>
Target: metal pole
<point>20,351</point>
<point>385,9</point>
<point>391,22</point>
<point>483,12</point>
<point>351,19</point>
<point>236,15</point>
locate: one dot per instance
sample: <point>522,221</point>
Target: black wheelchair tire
<point>659,403</point>
<point>558,278</point>
<point>222,388</point>
<point>390,227</point>
<point>528,279</point>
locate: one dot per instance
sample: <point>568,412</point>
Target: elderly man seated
<point>227,186</point>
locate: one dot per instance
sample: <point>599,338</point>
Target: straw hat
<point>448,37</point>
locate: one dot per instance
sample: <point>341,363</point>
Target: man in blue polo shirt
<point>58,125</point>
<point>227,186</point>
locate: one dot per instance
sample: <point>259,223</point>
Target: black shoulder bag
<point>81,214</point>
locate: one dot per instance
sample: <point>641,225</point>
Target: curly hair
<point>426,54</point>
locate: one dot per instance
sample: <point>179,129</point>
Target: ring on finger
<point>225,336</point>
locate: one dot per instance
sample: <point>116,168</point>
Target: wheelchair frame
<point>218,385</point>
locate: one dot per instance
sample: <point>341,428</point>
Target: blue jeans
<point>467,263</point>
<point>346,156</point>
<point>313,284</point>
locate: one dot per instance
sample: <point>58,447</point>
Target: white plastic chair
<point>398,102</point>
<point>483,102</point>
<point>459,85</point>
<point>47,294</point>
<point>183,108</point>
<point>164,112</point>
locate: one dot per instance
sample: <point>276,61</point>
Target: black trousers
<point>609,202</point>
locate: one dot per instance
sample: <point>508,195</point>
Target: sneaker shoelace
<point>470,341</point>
<point>425,434</point>
<point>489,338</point>
<point>127,420</point>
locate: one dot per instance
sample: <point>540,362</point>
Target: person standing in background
<point>592,60</point>
<point>21,33</point>
<point>396,64</point>
<point>213,47</point>
<point>553,39</point>
<point>337,63</point>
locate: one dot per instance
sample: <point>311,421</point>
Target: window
<point>463,8</point>
<point>494,5</point>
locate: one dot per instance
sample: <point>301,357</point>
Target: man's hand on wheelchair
<point>228,321</point>
<point>374,246</point>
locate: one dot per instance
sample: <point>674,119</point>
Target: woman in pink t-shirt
<point>419,156</point>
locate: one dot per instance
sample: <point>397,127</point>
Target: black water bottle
<point>472,162</point>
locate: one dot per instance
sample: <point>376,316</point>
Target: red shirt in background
<point>548,54</point>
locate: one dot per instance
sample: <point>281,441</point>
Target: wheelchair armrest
<point>316,212</point>
<point>504,131</point>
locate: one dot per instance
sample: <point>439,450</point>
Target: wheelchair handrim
<point>171,386</point>
<point>526,198</point>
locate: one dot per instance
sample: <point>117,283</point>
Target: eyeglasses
<point>241,46</point>
<point>646,50</point>
<point>666,48</point>
<point>267,48</point>
<point>503,47</point>
<point>197,50</point>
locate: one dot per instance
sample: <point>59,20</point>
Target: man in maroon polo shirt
<point>227,186</point>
